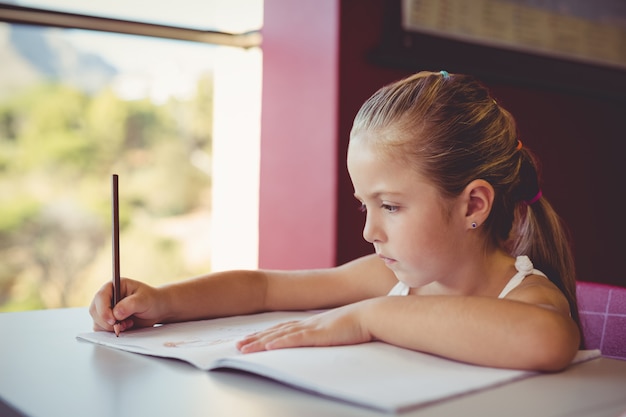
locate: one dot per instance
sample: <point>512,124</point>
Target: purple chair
<point>602,311</point>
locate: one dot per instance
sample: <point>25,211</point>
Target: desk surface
<point>46,372</point>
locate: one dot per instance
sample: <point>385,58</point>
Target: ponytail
<point>539,233</point>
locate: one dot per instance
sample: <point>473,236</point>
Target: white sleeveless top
<point>523,265</point>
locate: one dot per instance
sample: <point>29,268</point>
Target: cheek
<point>425,238</point>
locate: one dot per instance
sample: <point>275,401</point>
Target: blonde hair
<point>450,130</point>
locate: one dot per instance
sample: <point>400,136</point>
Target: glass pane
<point>234,16</point>
<point>75,107</point>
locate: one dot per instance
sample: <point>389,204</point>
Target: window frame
<point>51,18</point>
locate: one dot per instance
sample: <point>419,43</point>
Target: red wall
<point>581,143</point>
<point>298,134</point>
<point>322,59</point>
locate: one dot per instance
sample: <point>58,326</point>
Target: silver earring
<point>474,225</point>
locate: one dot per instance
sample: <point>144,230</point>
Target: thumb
<point>138,308</point>
<point>125,308</point>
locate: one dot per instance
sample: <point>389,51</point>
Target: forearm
<point>243,292</point>
<point>479,330</point>
<point>215,295</point>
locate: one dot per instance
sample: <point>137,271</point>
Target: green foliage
<point>58,148</point>
<point>15,212</point>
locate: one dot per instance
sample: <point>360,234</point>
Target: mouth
<point>387,261</point>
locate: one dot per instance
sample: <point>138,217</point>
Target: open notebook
<point>374,375</point>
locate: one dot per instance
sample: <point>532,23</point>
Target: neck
<point>483,274</point>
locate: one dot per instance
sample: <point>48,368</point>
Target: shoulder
<point>539,290</point>
<point>534,287</point>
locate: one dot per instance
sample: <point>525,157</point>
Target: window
<point>177,120</point>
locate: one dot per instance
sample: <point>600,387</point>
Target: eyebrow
<point>378,194</point>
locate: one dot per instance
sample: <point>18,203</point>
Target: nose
<point>372,231</point>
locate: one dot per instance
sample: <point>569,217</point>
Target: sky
<point>223,15</point>
<point>157,68</point>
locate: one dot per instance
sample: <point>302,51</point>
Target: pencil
<point>116,248</point>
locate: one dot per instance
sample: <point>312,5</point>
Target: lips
<point>387,261</point>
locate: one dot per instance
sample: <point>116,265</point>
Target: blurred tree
<point>201,125</point>
<point>58,147</point>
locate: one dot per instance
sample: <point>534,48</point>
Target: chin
<point>411,280</point>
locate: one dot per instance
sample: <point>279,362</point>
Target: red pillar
<point>298,203</point>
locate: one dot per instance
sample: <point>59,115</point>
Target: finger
<point>107,318</point>
<point>291,334</point>
<point>124,325</point>
<point>250,346</point>
<point>295,338</point>
<point>252,342</point>
<point>98,328</point>
<point>100,309</point>
<point>132,305</point>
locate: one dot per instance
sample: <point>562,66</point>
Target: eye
<point>389,208</point>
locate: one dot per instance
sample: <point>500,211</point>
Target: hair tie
<point>535,198</point>
<point>519,145</point>
<point>444,74</point>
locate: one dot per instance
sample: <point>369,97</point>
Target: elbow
<point>553,347</point>
<point>555,360</point>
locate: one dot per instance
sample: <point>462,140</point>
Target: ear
<point>479,196</point>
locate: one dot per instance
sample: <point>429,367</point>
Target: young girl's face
<point>405,217</point>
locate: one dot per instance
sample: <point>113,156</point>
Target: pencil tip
<point>116,329</point>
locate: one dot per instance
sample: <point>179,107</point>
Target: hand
<point>341,326</point>
<point>139,306</point>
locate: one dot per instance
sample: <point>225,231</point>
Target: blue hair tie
<point>444,74</point>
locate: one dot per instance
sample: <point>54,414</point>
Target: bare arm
<point>354,281</point>
<point>241,292</point>
<point>531,329</point>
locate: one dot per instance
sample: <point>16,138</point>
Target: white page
<point>200,343</point>
<point>375,375</point>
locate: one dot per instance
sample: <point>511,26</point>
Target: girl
<point>455,215</point>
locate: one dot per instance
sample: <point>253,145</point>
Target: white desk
<point>46,372</point>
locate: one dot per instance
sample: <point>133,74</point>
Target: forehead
<point>374,148</point>
<point>363,151</point>
<point>374,168</point>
